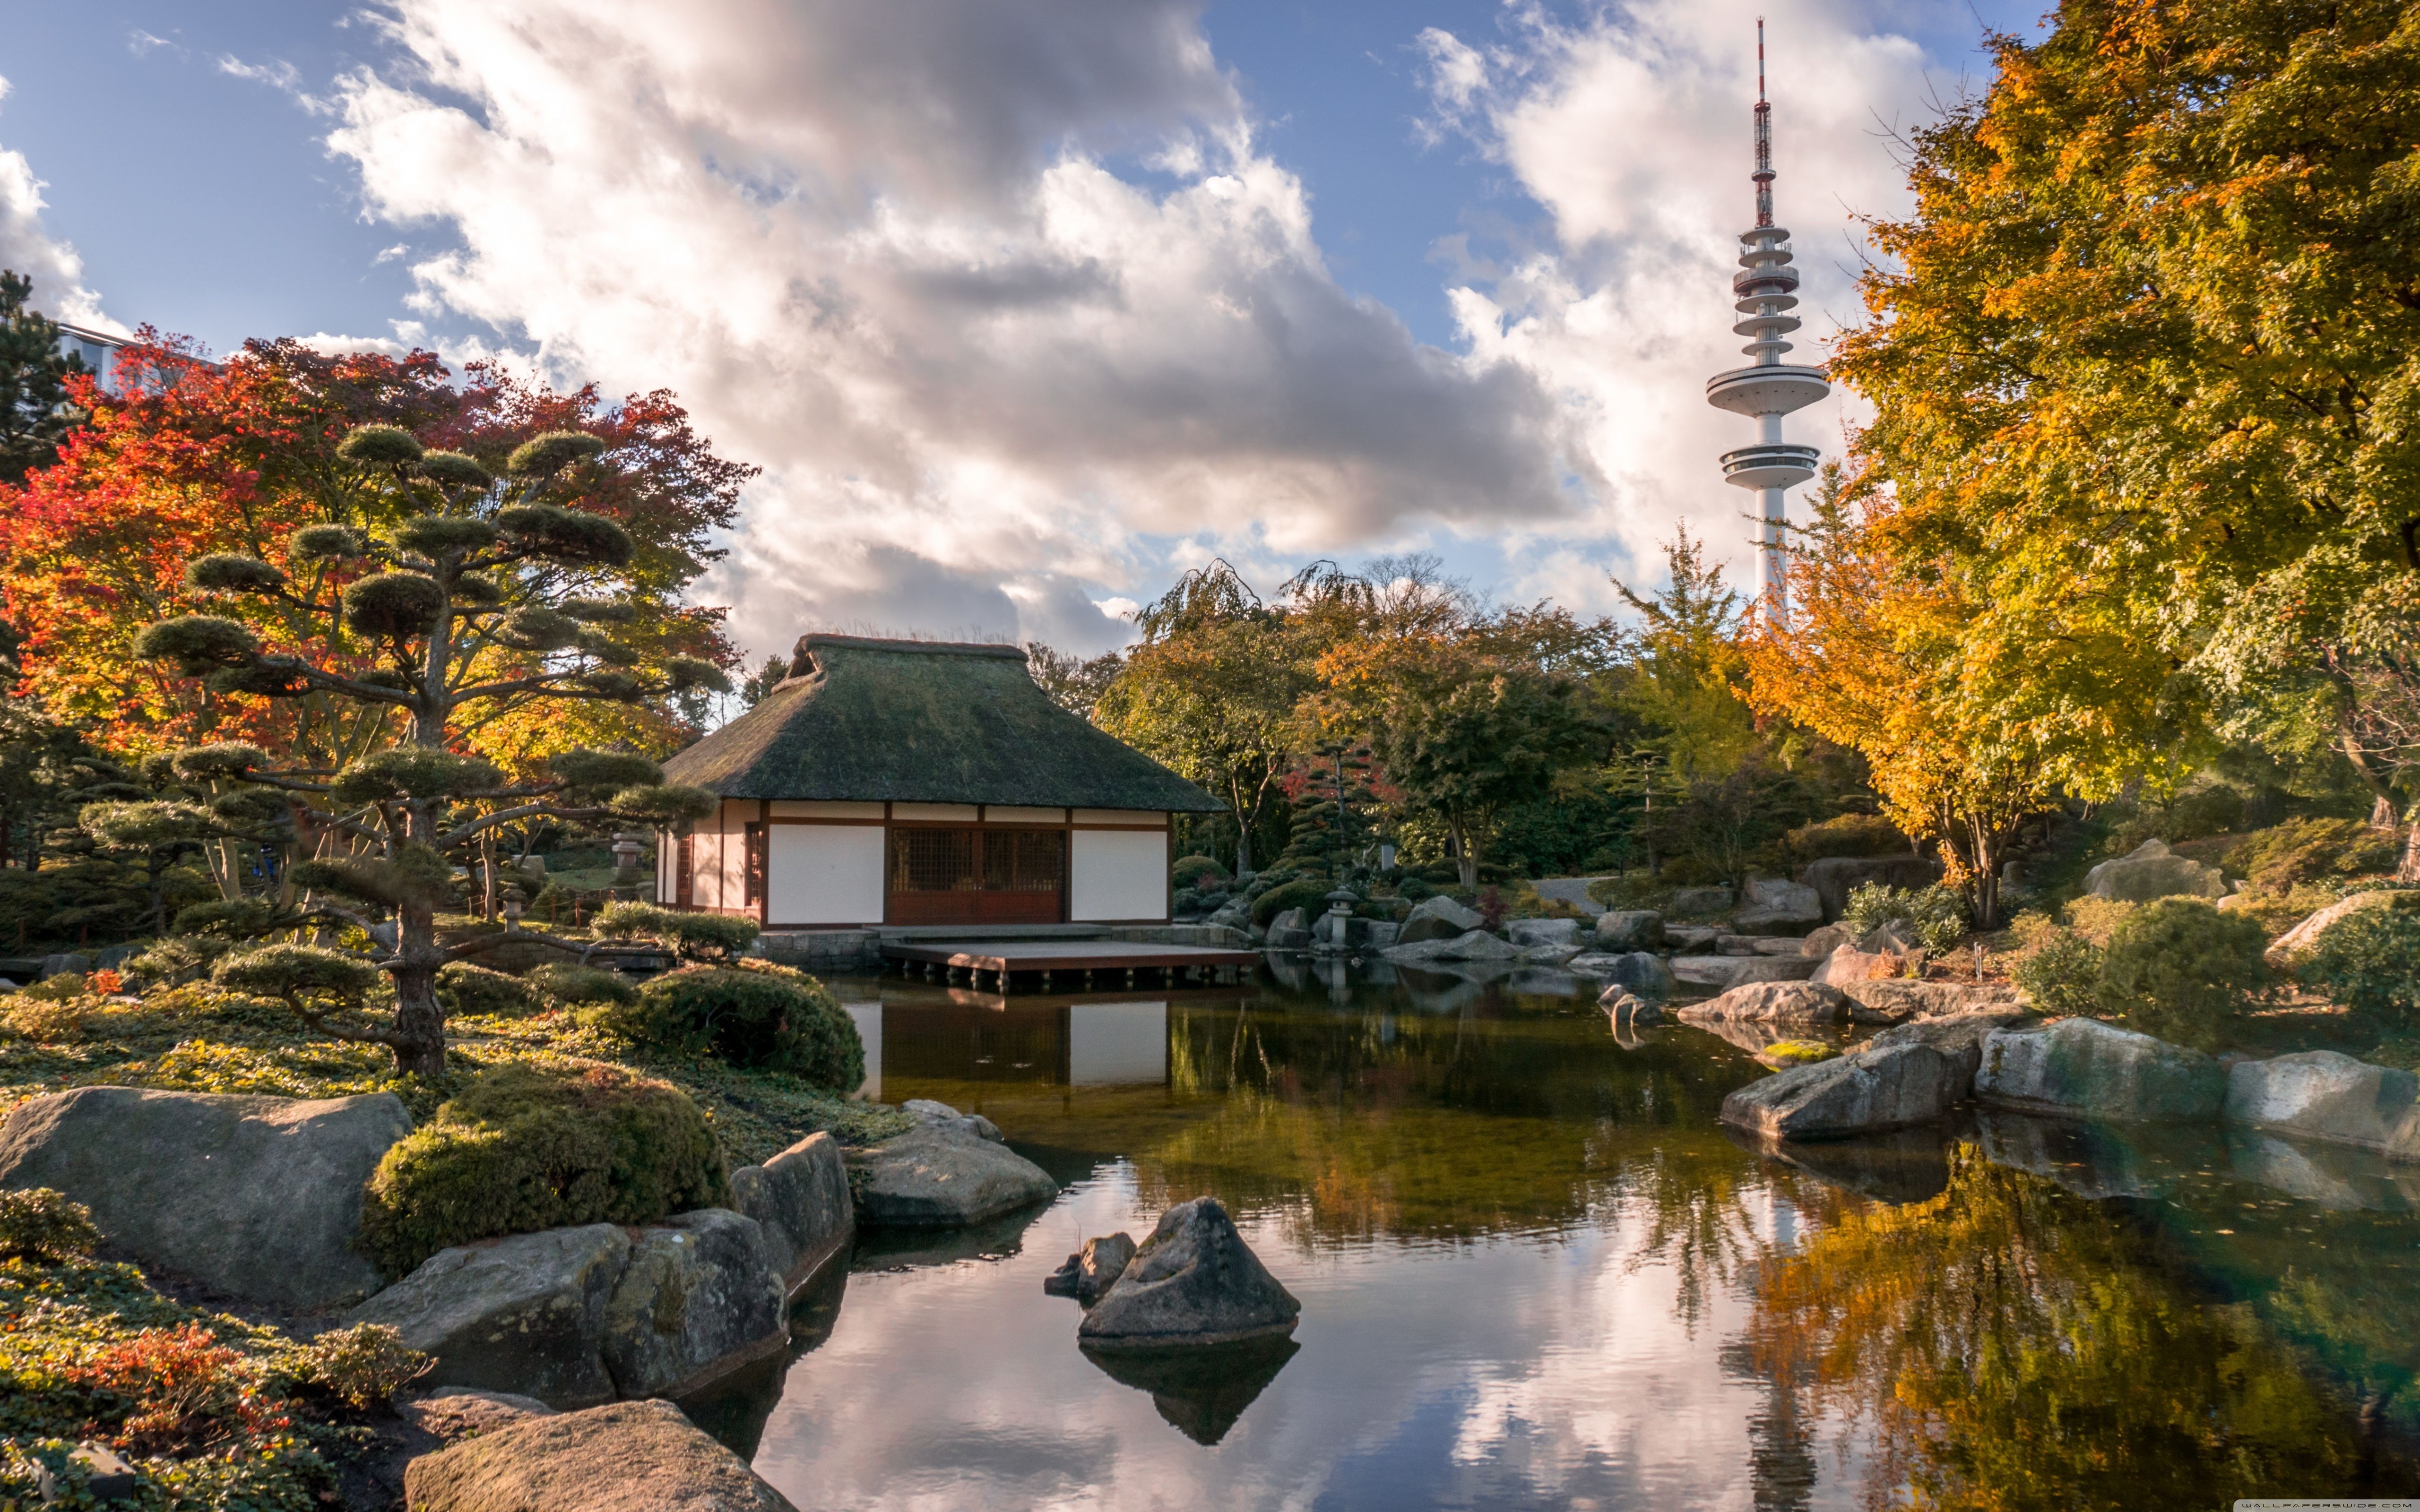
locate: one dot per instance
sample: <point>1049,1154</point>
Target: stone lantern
<point>1333,925</point>
<point>625,859</point>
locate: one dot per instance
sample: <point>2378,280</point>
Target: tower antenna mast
<point>1763,292</point>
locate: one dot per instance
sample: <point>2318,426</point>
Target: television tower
<point>1764,293</point>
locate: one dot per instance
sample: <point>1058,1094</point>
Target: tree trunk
<point>2381,813</point>
<point>2408,869</point>
<point>419,1018</point>
<point>1466,865</point>
<point>1987,878</point>
<point>1243,831</point>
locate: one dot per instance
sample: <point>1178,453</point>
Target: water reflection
<point>1536,1272</point>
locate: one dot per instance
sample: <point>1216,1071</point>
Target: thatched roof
<point>922,722</point>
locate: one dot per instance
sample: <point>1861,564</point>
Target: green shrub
<point>59,987</point>
<point>1203,873</point>
<point>2310,850</point>
<point>2061,972</point>
<point>2370,963</point>
<point>526,1147</point>
<point>1415,889</point>
<point>360,1366</point>
<point>1848,834</point>
<point>694,936</point>
<point>1937,914</point>
<point>464,988</point>
<point>1184,900</point>
<point>42,1225</point>
<point>762,1020</point>
<point>566,986</point>
<point>1310,894</point>
<point>2097,918</point>
<point>2180,970</point>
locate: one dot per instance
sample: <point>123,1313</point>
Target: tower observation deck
<point>1763,292</point>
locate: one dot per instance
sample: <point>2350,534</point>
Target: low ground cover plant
<point>524,1146</point>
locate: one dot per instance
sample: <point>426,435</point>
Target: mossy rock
<point>1784,1054</point>
<point>529,1147</point>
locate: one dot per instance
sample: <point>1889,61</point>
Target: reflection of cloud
<point>1514,1373</point>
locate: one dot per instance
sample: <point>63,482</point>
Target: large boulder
<point>1773,1002</point>
<point>1866,1092</point>
<point>2320,1094</point>
<point>1700,901</point>
<point>1544,931</point>
<point>1723,972</point>
<point>524,1314</point>
<point>800,1199</point>
<point>1835,876</point>
<point>698,1298</point>
<point>1194,1281</point>
<point>2081,1066</point>
<point>2299,941</point>
<point>1629,929</point>
<point>1887,1000</point>
<point>255,1197</point>
<point>1437,918</point>
<point>1958,1036</point>
<point>1478,945</point>
<point>1777,908</point>
<point>1289,931</point>
<point>630,1456</point>
<point>1847,964</point>
<point>2152,871</point>
<point>1634,971</point>
<point>1092,1270</point>
<point>1823,942</point>
<point>937,1176</point>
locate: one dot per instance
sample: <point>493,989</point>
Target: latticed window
<point>1024,860</point>
<point>932,860</point>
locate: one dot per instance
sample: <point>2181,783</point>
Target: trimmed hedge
<point>464,988</point>
<point>766,1019</point>
<point>525,1148</point>
<point>2181,969</point>
<point>1310,894</point>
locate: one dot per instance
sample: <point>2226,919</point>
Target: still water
<point>1535,1273</point>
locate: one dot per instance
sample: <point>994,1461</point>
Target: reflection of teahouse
<point>921,783</point>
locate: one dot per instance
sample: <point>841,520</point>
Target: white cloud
<point>26,248</point>
<point>1632,127</point>
<point>882,251</point>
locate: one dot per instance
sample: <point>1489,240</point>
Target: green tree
<point>35,414</point>
<point>2145,363</point>
<point>1485,735</point>
<point>1212,693</point>
<point>1074,683</point>
<point>1686,673</point>
<point>472,598</point>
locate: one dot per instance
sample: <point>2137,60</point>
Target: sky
<point>1024,307</point>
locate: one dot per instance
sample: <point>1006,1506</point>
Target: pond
<point>1536,1272</point>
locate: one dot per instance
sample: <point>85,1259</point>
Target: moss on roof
<point>922,722</point>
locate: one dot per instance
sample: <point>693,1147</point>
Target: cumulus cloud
<point>27,248</point>
<point>1631,128</point>
<point>1003,298</point>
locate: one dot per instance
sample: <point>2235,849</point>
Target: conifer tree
<point>35,414</point>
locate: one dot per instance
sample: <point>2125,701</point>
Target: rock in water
<point>1200,1390</point>
<point>2083,1066</point>
<point>2152,871</point>
<point>1864,1093</point>
<point>1728,971</point>
<point>1091,1270</point>
<point>2322,1095</point>
<point>1437,918</point>
<point>256,1198</point>
<point>937,1176</point>
<point>524,1314</point>
<point>1958,1036</point>
<point>698,1298</point>
<point>1775,1002</point>
<point>630,1456</point>
<point>1889,999</point>
<point>1194,1281</point>
<point>800,1198</point>
<point>1544,931</point>
<point>1289,931</point>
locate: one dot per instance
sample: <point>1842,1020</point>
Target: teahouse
<point>910,782</point>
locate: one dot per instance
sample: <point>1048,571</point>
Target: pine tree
<point>35,415</point>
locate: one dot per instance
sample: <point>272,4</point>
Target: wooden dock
<point>1066,964</point>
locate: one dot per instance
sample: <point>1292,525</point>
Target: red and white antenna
<point>1764,175</point>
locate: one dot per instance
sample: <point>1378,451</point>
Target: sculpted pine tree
<point>469,600</point>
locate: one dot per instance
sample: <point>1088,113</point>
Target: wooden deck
<point>1065,963</point>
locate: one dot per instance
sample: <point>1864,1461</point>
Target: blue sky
<point>1463,256</point>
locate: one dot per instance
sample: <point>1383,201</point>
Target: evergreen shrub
<point>2180,970</point>
<point>2060,969</point>
<point>1937,913</point>
<point>464,988</point>
<point>527,1147</point>
<point>1203,873</point>
<point>40,1224</point>
<point>1848,834</point>
<point>1310,894</point>
<point>2370,963</point>
<point>764,1020</point>
<point>566,986</point>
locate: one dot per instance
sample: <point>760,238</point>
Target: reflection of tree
<point>2018,1348</point>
